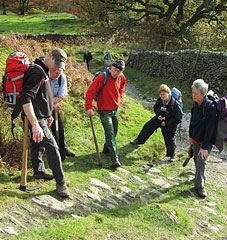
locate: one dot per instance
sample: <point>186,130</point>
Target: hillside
<point>134,202</point>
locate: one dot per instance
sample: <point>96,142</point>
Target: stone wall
<point>211,66</point>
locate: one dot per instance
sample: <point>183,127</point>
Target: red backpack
<point>16,66</point>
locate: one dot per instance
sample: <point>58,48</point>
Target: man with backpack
<point>168,114</point>
<point>201,131</point>
<point>37,103</point>
<point>108,101</point>
<point>107,58</point>
<point>59,89</point>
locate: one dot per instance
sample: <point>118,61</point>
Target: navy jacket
<point>172,112</point>
<point>201,128</point>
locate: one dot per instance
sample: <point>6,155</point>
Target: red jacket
<point>110,96</point>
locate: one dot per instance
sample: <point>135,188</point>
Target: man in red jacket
<point>108,101</point>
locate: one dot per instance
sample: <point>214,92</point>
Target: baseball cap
<point>120,64</point>
<point>60,57</point>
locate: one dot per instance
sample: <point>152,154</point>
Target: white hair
<point>200,85</point>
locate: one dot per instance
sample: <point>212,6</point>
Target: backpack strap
<point>205,107</point>
<point>59,81</point>
<point>106,74</point>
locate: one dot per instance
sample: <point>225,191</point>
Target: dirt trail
<point>216,170</point>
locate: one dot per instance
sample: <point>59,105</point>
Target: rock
<point>100,184</point>
<point>122,171</point>
<point>211,204</point>
<point>154,170</point>
<point>116,178</point>
<point>209,210</point>
<point>97,205</point>
<point>110,200</point>
<point>125,189</point>
<point>53,204</point>
<point>111,206</point>
<point>138,179</point>
<point>76,216</point>
<point>161,183</point>
<point>93,196</point>
<point>10,231</point>
<point>120,197</point>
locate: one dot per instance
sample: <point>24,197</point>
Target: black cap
<point>120,64</point>
<point>60,57</point>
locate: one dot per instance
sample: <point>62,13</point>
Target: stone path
<point>97,195</point>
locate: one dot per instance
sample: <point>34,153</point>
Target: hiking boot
<point>135,142</point>
<point>202,192</point>
<point>69,152</point>
<point>44,175</point>
<point>116,162</point>
<point>62,190</point>
<point>172,159</point>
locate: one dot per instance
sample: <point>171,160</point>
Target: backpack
<point>16,67</point>
<point>106,74</point>
<point>220,129</point>
<point>177,97</point>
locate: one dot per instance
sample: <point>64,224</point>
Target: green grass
<point>57,23</point>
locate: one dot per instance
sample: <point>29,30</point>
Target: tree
<point>22,5</point>
<point>182,13</point>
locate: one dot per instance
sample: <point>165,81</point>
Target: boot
<point>62,190</point>
<point>116,162</point>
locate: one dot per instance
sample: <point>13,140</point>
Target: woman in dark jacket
<point>168,114</point>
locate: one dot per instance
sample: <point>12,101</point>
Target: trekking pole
<point>96,144</point>
<point>23,182</point>
<point>56,126</point>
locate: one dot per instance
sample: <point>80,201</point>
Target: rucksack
<point>106,74</point>
<point>177,97</point>
<point>16,66</point>
<point>220,130</point>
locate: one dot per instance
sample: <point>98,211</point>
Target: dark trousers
<point>62,139</point>
<point>50,147</point>
<point>167,132</point>
<point>109,121</point>
<point>88,65</point>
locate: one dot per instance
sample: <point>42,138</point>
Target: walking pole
<point>56,126</point>
<point>96,144</point>
<point>23,182</point>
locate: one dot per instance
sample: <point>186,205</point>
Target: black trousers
<point>168,133</point>
<point>62,139</point>
<point>50,147</point>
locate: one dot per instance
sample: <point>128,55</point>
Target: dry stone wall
<point>211,66</point>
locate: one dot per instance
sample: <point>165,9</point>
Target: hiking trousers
<point>109,121</point>
<point>62,139</point>
<point>168,133</point>
<point>50,147</point>
<point>200,166</point>
<point>148,129</point>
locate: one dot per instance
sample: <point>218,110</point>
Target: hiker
<point>108,101</point>
<point>168,114</point>
<point>87,58</point>
<point>200,132</point>
<point>59,89</point>
<point>107,58</point>
<point>37,102</point>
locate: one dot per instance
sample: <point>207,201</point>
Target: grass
<point>135,221</point>
<point>57,23</point>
